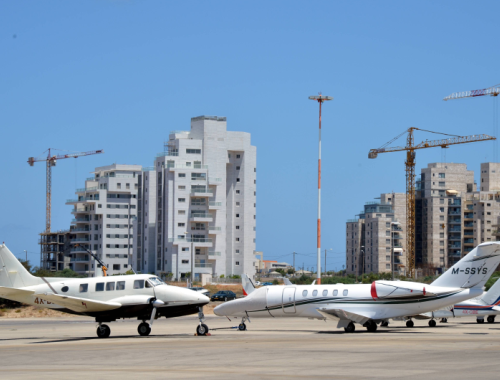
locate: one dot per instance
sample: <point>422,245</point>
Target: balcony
<point>454,229</point>
<point>94,188</point>
<point>80,220</point>
<point>79,259</point>
<point>454,202</point>
<point>468,241</point>
<point>455,221</point>
<point>198,242</point>
<point>454,246</point>
<point>213,254</point>
<point>469,225</point>
<point>77,240</point>
<point>184,166</point>
<point>83,199</point>
<point>468,215</point>
<point>214,230</point>
<point>470,233</point>
<point>80,230</point>
<point>214,205</point>
<point>203,268</point>
<point>78,249</point>
<point>214,181</point>
<point>455,238</point>
<point>202,193</point>
<point>168,154</point>
<point>201,217</point>
<point>454,213</point>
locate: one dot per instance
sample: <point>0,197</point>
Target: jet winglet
<point>80,305</point>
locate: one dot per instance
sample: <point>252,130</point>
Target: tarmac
<point>270,348</point>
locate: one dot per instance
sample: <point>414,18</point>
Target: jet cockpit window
<point>120,285</point>
<point>304,293</point>
<point>345,292</point>
<point>155,281</point>
<point>138,284</point>
<point>148,284</point>
<point>84,288</point>
<point>315,293</point>
<point>335,292</point>
<point>99,287</point>
<point>110,286</point>
<point>325,293</point>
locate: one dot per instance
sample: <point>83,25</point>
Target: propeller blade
<point>153,315</point>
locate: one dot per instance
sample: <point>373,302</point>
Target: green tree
<point>291,270</point>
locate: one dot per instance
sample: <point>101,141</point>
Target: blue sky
<point>119,75</point>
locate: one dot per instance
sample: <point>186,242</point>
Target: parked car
<point>266,283</point>
<point>223,295</point>
<point>203,291</point>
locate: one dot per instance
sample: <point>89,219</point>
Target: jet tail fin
<point>474,269</point>
<point>492,296</point>
<point>248,286</point>
<point>12,273</point>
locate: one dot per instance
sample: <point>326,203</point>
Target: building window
<point>441,209</point>
<point>237,180</point>
<point>387,241</point>
<point>441,201</point>
<point>237,239</point>
<point>181,212</point>
<point>237,191</point>
<point>118,185</point>
<point>127,185</point>
<point>388,258</point>
<point>237,251</point>
<point>185,261</point>
<point>441,235</point>
<point>237,168</point>
<point>238,156</point>
<point>237,227</point>
<point>442,184</point>
<point>441,175</point>
<point>182,175</point>
<point>441,217</point>
<point>237,263</point>
<point>387,266</point>
<point>441,243</point>
<point>237,215</point>
<point>185,249</point>
<point>237,204</point>
<point>181,224</point>
<point>193,151</point>
<point>182,187</point>
<point>181,200</point>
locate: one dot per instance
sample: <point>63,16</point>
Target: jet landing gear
<point>432,323</point>
<point>371,326</point>
<point>350,328</point>
<point>384,324</point>
<point>103,331</point>
<point>491,319</point>
<point>202,328</point>
<point>242,326</point>
<point>444,320</point>
<point>409,323</point>
<point>480,320</point>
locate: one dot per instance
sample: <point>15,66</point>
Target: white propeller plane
<point>369,304</point>
<point>106,299</point>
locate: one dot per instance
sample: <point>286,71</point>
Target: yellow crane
<point>410,149</point>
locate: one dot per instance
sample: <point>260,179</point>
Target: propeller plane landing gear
<point>371,326</point>
<point>432,323</point>
<point>144,329</point>
<point>242,326</point>
<point>444,320</point>
<point>350,328</point>
<point>384,324</point>
<point>202,328</point>
<point>103,331</point>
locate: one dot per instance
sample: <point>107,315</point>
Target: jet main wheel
<point>491,319</point>
<point>409,323</point>
<point>444,320</point>
<point>144,329</point>
<point>432,323</point>
<point>480,320</point>
<point>242,326</point>
<point>350,328</point>
<point>384,324</point>
<point>203,329</point>
<point>103,331</point>
<point>372,326</point>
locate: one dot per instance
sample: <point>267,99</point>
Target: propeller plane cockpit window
<point>155,281</point>
<point>138,284</point>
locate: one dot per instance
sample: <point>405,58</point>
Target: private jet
<point>142,296</point>
<point>368,304</point>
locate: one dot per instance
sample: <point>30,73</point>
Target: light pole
<point>392,247</point>
<point>26,252</point>
<point>320,99</point>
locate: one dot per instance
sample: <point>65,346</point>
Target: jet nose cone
<point>203,298</point>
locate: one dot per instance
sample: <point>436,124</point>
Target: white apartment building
<point>198,203</point>
<point>102,223</point>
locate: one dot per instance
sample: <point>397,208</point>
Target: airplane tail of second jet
<point>12,273</point>
<point>248,286</point>
<point>492,296</point>
<point>474,269</point>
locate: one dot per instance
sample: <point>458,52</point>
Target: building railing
<point>203,265</point>
<point>80,230</point>
<point>78,259</point>
<point>468,224</point>
<point>167,154</point>
<point>456,202</point>
<point>184,166</point>
<point>90,179</point>
<point>454,213</point>
<point>77,249</point>
<point>214,204</point>
<point>468,241</point>
<point>210,228</point>
<point>148,169</point>
<point>79,239</point>
<point>352,220</point>
<point>214,179</point>
<point>201,191</point>
<point>175,132</point>
<point>201,215</point>
<point>189,240</point>
<point>82,190</point>
<point>212,253</point>
<point>80,220</point>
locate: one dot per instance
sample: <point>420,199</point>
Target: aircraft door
<point>288,303</point>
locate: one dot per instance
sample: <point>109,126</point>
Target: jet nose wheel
<point>242,326</point>
<point>491,319</point>
<point>144,329</point>
<point>432,323</point>
<point>103,331</point>
<point>202,329</point>
<point>409,323</point>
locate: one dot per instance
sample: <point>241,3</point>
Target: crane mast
<point>410,179</point>
<point>50,162</point>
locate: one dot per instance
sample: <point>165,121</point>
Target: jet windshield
<point>155,281</point>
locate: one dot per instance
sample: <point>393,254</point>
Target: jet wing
<point>13,292</point>
<point>344,317</point>
<point>80,305</point>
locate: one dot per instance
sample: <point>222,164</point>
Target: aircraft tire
<point>144,329</point>
<point>371,327</point>
<point>242,327</point>
<point>444,320</point>
<point>350,328</point>
<point>202,329</point>
<point>384,324</point>
<point>480,320</point>
<point>103,331</point>
<point>491,319</point>
<point>432,323</point>
<point>409,323</point>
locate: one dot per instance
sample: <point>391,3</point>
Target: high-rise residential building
<point>53,249</point>
<point>374,239</point>
<point>102,223</point>
<point>198,203</point>
<point>443,222</point>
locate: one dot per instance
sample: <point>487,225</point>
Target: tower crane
<point>51,161</point>
<point>410,149</point>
